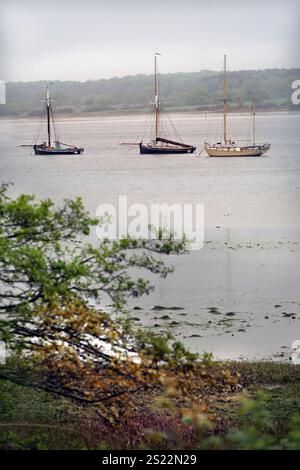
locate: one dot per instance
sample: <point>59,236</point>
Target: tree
<point>135,92</point>
<point>49,276</point>
<point>58,341</point>
<point>42,256</point>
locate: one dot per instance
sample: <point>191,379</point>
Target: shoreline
<point>144,113</point>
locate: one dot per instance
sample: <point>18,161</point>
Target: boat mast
<point>254,114</point>
<point>225,101</point>
<point>48,117</point>
<point>156,98</point>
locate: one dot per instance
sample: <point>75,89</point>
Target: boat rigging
<point>54,147</point>
<point>159,144</point>
<point>230,148</point>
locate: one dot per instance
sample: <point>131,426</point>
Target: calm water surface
<point>250,261</point>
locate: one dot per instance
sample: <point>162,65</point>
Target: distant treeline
<point>199,91</point>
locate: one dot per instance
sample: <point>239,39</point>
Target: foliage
<point>31,419</point>
<point>41,257</point>
<point>271,87</point>
<point>63,346</point>
<point>49,277</point>
<point>58,341</point>
<point>80,353</point>
<point>252,428</point>
<point>257,428</point>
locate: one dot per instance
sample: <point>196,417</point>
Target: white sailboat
<point>230,148</point>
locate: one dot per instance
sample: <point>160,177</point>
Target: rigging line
<point>152,130</point>
<point>148,123</point>
<point>142,133</point>
<point>147,126</point>
<point>168,120</point>
<point>177,135</point>
<point>166,126</point>
<point>219,113</point>
<point>59,133</point>
<point>208,127</point>
<point>37,133</point>
<point>36,136</point>
<point>215,121</point>
<point>149,132</point>
<point>54,125</point>
<point>163,129</point>
<point>249,127</point>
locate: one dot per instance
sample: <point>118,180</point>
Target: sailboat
<point>230,148</point>
<point>55,147</point>
<point>159,144</point>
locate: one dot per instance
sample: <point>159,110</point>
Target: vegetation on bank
<point>198,91</point>
<point>79,377</point>
<point>259,416</point>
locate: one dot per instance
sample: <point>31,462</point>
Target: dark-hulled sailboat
<point>54,147</point>
<point>159,144</point>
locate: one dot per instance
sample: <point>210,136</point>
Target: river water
<point>238,296</point>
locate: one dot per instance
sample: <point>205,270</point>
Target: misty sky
<point>92,39</point>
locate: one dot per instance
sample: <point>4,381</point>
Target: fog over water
<point>74,40</point>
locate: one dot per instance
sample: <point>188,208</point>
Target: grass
<point>264,373</point>
<point>33,419</point>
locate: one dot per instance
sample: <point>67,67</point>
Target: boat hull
<point>236,152</point>
<point>39,150</point>
<point>165,150</point>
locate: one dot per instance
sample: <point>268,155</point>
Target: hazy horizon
<point>94,40</point>
<point>151,74</point>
